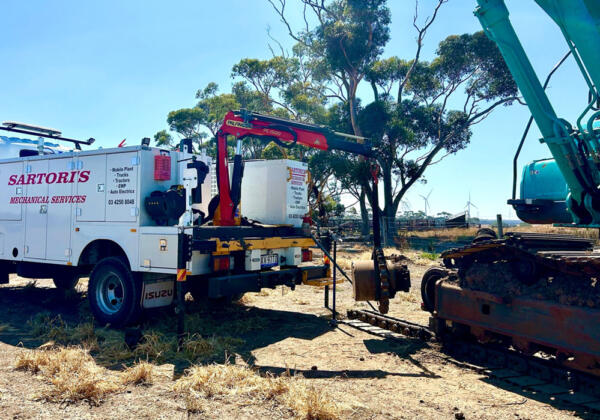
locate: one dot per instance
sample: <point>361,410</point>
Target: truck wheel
<point>114,293</point>
<point>66,281</point>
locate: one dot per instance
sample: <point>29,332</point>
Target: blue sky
<point>114,69</point>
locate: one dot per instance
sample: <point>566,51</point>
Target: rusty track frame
<point>533,376</point>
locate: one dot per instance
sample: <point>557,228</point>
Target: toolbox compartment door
<point>121,187</point>
<point>10,208</point>
<point>91,188</point>
<point>60,210</point>
<point>36,211</point>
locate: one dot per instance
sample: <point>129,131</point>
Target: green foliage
<point>188,122</point>
<point>163,139</point>
<point>353,34</point>
<point>213,107</point>
<point>430,256</point>
<point>273,151</point>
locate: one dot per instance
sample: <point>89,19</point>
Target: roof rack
<point>49,133</point>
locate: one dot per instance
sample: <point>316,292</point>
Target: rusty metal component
<point>529,325</point>
<point>380,281</point>
<point>545,267</point>
<point>364,282</point>
<point>430,278</point>
<point>384,280</point>
<point>406,328</point>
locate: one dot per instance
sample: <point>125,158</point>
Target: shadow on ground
<point>525,391</point>
<point>31,316</point>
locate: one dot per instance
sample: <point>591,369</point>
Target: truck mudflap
<point>156,294</point>
<point>254,282</point>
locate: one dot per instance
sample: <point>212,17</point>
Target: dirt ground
<point>363,376</point>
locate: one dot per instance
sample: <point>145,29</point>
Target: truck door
<point>36,209</point>
<point>61,199</point>
<point>91,188</point>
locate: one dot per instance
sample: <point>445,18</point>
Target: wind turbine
<point>426,201</point>
<point>468,206</point>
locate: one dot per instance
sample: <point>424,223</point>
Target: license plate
<point>269,260</point>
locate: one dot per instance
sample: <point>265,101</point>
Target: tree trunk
<point>389,209</point>
<point>364,214</point>
<point>353,108</point>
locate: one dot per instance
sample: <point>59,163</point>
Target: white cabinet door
<point>60,209</point>
<point>121,187</point>
<point>36,209</point>
<point>91,188</point>
<point>11,204</point>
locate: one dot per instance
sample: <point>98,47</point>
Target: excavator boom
<point>576,150</point>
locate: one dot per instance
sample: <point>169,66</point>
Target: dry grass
<point>107,345</point>
<point>142,373</point>
<point>207,342</point>
<point>72,374</point>
<point>467,233</point>
<point>232,381</point>
<point>196,347</point>
<point>362,252</point>
<point>111,347</point>
<point>156,346</point>
<point>246,299</point>
<point>44,325</point>
<point>311,404</point>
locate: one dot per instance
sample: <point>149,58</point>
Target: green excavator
<point>537,293</point>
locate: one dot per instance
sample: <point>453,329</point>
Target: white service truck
<point>125,216</point>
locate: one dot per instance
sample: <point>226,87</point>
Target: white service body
<point>54,206</point>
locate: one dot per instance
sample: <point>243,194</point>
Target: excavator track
<point>534,376</point>
<point>561,268</point>
<point>560,253</point>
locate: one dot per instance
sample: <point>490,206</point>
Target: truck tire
<point>114,293</point>
<point>66,281</point>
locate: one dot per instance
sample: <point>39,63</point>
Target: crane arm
<point>287,133</point>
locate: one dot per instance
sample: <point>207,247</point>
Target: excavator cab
<point>543,193</point>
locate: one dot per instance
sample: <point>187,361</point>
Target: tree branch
<point>421,35</point>
<point>281,12</point>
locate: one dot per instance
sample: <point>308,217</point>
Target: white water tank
<point>275,191</point>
